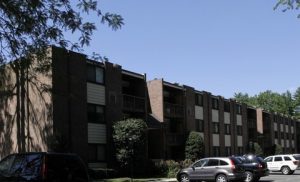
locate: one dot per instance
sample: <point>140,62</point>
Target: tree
<point>194,147</point>
<point>257,149</point>
<point>287,5</point>
<point>284,103</point>
<point>28,27</point>
<point>278,149</point>
<point>129,138</point>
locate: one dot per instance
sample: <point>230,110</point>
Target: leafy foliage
<point>278,149</point>
<point>257,149</point>
<point>194,148</point>
<point>129,138</point>
<point>28,27</point>
<point>285,103</point>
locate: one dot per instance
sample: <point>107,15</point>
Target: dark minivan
<point>43,167</point>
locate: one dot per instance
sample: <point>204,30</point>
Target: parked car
<point>255,167</point>
<point>43,167</point>
<point>287,164</point>
<point>218,169</point>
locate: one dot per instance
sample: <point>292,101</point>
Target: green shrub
<point>186,163</point>
<point>194,147</point>
<point>167,169</point>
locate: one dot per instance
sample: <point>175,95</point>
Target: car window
<point>287,158</point>
<point>31,166</point>
<point>276,159</point>
<point>6,164</point>
<point>297,157</point>
<point>201,163</point>
<point>259,159</point>
<point>269,159</point>
<point>213,162</point>
<point>223,163</point>
<point>236,160</point>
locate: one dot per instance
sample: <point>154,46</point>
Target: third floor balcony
<point>133,103</point>
<point>173,110</point>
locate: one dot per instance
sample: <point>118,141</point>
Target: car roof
<point>214,158</point>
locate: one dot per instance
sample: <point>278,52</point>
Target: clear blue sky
<point>221,47</point>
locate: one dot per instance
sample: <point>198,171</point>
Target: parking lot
<point>278,177</point>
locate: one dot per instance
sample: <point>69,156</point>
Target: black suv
<point>43,167</point>
<point>255,167</point>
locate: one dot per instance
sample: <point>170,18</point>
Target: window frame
<point>95,158</point>
<point>92,69</point>
<point>95,113</point>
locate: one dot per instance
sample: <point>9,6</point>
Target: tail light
<point>233,168</point>
<point>44,168</point>
<point>260,166</point>
<point>296,163</point>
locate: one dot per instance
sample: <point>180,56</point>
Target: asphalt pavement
<point>279,177</point>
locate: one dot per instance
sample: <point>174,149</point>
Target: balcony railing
<point>174,110</point>
<point>175,139</point>
<point>133,103</point>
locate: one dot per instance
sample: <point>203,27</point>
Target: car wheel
<point>249,176</point>
<point>184,178</point>
<point>285,170</point>
<point>221,178</point>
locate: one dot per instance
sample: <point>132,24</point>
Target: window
<point>269,159</point>
<point>199,99</point>
<point>201,163</point>
<point>276,134</point>
<point>227,129</point>
<point>216,127</point>
<point>216,151</point>
<point>223,163</point>
<point>199,125</point>
<point>287,136</point>
<point>95,74</point>
<point>95,113</point>
<point>227,151</point>
<point>238,109</point>
<point>227,106</point>
<point>286,158</point>
<point>282,135</point>
<point>97,152</point>
<point>213,162</point>
<point>215,103</point>
<point>278,159</point>
<point>240,150</point>
<point>239,130</point>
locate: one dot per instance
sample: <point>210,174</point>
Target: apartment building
<point>72,106</point>
<point>270,129</point>
<point>82,100</point>
<point>181,109</point>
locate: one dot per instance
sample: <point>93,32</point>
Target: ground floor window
<point>96,152</point>
<point>216,151</point>
<point>240,150</point>
<point>227,151</point>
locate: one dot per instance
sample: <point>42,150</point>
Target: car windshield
<point>27,166</point>
<point>297,157</point>
<point>236,160</point>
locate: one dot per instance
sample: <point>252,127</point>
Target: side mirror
<point>193,168</point>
